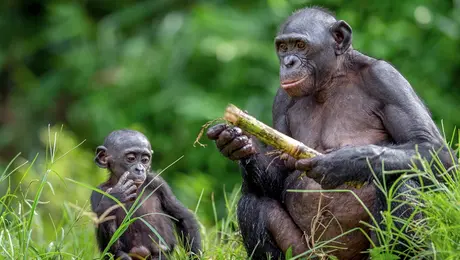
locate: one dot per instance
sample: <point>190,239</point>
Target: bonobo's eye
<point>145,159</point>
<point>282,47</point>
<point>300,45</point>
<point>130,158</point>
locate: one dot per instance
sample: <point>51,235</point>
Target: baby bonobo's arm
<point>187,226</point>
<point>124,191</point>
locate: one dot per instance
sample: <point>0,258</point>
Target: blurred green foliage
<point>167,67</point>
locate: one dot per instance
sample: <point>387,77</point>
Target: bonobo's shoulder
<point>385,82</point>
<point>155,181</point>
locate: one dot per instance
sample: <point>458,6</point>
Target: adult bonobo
<point>127,155</point>
<point>353,108</point>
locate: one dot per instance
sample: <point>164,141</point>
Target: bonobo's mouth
<point>287,84</point>
<point>138,182</point>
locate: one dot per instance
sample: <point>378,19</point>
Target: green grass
<point>24,233</point>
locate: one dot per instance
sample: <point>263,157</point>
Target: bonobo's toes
<point>139,252</point>
<point>214,131</point>
<point>122,256</point>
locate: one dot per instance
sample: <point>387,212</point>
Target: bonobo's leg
<point>402,209</point>
<point>263,180</point>
<point>253,222</point>
<point>283,229</point>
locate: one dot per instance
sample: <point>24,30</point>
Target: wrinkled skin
<point>358,112</point>
<point>127,155</point>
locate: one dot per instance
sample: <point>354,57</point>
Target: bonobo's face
<point>127,152</point>
<point>308,51</point>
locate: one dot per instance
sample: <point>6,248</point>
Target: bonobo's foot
<point>139,252</point>
<point>283,229</point>
<point>120,255</point>
<point>231,141</point>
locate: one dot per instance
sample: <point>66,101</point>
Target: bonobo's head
<point>125,150</point>
<point>308,45</point>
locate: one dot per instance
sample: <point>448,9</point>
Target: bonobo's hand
<point>231,141</point>
<point>125,190</point>
<point>330,170</point>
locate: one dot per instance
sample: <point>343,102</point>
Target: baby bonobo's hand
<point>231,141</point>
<point>125,190</point>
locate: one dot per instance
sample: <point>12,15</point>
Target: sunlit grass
<point>23,236</point>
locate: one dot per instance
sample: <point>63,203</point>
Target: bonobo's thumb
<point>304,164</point>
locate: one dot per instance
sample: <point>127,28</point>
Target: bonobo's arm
<point>106,229</point>
<point>263,174</point>
<point>187,226</point>
<point>406,120</point>
<point>124,191</point>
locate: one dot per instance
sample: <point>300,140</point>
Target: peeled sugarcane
<point>272,137</point>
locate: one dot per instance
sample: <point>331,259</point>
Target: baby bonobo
<point>127,155</point>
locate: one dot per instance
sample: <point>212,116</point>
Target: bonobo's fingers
<point>243,152</point>
<point>289,161</point>
<point>214,132</point>
<point>123,178</point>
<point>131,197</point>
<point>127,184</point>
<point>237,143</point>
<point>131,189</point>
<point>227,136</point>
<point>304,164</point>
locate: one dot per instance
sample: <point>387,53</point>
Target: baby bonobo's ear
<point>342,34</point>
<point>101,156</point>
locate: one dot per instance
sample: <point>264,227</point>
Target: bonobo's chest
<point>152,213</point>
<point>349,117</point>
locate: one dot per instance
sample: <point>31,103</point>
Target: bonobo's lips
<point>287,84</point>
<point>138,182</point>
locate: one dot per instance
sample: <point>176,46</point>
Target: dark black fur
<point>400,123</point>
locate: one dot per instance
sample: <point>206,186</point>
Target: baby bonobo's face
<point>126,151</point>
<point>133,154</point>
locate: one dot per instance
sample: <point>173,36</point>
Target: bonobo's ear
<point>341,32</point>
<point>101,156</point>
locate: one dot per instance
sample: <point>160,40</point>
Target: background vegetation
<point>165,67</point>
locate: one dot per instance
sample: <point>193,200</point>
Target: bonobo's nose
<point>139,169</point>
<point>291,61</point>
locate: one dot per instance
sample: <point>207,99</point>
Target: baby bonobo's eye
<point>282,47</point>
<point>145,159</point>
<point>130,158</point>
<point>300,45</point>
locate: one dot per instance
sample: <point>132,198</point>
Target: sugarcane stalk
<point>272,137</point>
<point>268,135</point>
